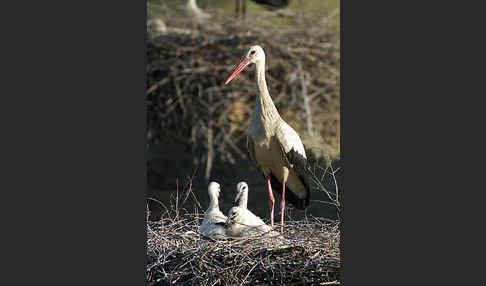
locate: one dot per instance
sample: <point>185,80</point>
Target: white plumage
<point>290,139</point>
<point>195,12</point>
<point>241,221</point>
<point>213,224</point>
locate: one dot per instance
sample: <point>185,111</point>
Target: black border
<point>76,141</point>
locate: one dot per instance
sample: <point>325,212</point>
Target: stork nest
<point>177,254</point>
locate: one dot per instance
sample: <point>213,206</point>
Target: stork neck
<point>243,200</point>
<point>213,202</point>
<point>192,4</point>
<point>264,104</point>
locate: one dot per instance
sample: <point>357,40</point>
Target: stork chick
<point>213,224</point>
<point>241,221</point>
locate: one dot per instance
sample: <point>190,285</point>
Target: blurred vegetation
<point>173,11</point>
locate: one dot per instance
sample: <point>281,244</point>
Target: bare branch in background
<point>210,153</point>
<point>304,83</point>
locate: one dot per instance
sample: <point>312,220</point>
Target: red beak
<point>244,63</point>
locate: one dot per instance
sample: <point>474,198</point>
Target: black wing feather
<point>250,148</point>
<point>272,4</point>
<point>299,164</point>
<point>298,161</point>
<point>299,203</point>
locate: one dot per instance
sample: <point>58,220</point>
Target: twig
<point>242,282</point>
<point>335,282</point>
<point>157,85</point>
<point>210,153</point>
<point>308,51</point>
<point>308,112</point>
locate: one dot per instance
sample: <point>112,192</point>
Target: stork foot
<point>282,208</point>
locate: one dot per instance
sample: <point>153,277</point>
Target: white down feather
<point>241,221</point>
<point>213,216</point>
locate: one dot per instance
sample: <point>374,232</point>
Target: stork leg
<point>282,208</point>
<point>194,28</point>
<point>237,8</point>
<point>244,9</point>
<point>271,201</point>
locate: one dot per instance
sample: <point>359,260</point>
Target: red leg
<point>237,8</point>
<point>271,201</point>
<point>244,9</point>
<point>282,207</point>
<point>194,30</point>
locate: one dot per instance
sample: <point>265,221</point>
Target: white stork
<point>197,15</point>
<point>213,224</point>
<point>241,221</point>
<point>273,146</point>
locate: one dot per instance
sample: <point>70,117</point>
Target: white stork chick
<point>274,147</point>
<point>241,221</point>
<point>213,224</point>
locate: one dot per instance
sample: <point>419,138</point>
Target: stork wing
<point>293,151</point>
<point>250,146</point>
<point>292,148</point>
<point>272,4</point>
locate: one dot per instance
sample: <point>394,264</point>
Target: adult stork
<point>197,15</point>
<point>213,224</point>
<point>240,5</point>
<point>241,221</point>
<point>273,146</point>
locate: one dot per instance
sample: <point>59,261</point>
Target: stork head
<point>241,189</point>
<point>214,189</point>
<point>252,55</point>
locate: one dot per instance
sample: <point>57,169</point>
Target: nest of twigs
<point>307,254</point>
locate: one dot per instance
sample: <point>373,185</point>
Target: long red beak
<point>244,63</point>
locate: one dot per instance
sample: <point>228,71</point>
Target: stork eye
<point>252,52</point>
